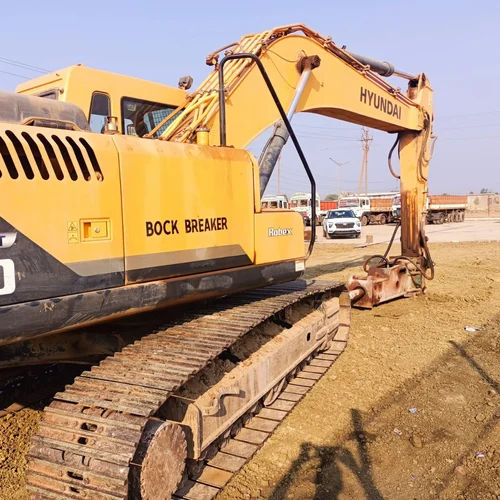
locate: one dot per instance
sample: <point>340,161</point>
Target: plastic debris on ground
<point>479,454</point>
<point>397,432</point>
<point>413,410</point>
<point>471,329</point>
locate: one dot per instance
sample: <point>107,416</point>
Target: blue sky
<point>456,43</point>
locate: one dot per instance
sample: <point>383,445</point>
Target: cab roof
<point>114,83</point>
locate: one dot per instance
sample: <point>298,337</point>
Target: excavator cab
<point>135,103</point>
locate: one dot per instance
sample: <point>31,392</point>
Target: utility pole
<point>365,139</point>
<point>339,164</point>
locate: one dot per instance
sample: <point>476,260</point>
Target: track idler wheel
<point>161,454</point>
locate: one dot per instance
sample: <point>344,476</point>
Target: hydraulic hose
<point>389,158</point>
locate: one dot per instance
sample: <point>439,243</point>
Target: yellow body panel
<point>51,212</point>
<point>112,223</point>
<point>279,235</point>
<point>180,187</point>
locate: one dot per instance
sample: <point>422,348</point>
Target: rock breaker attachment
<point>382,284</point>
<point>389,278</point>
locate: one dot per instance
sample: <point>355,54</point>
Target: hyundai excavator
<point>132,235</point>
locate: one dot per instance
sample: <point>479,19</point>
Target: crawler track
<point>209,480</point>
<point>91,438</point>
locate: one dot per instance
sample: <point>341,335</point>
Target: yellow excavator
<point>132,235</point>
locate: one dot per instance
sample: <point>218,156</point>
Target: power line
<point>20,64</point>
<point>15,74</point>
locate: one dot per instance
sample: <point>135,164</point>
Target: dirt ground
<point>354,436</point>
<point>410,410</point>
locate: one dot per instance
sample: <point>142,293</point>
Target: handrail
<point>222,126</point>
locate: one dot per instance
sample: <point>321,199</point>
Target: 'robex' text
<point>271,231</point>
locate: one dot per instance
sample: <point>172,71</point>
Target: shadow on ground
<point>329,477</point>
<point>466,371</point>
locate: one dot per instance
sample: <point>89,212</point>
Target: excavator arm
<point>310,73</point>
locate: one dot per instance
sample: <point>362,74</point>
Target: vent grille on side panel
<point>45,157</point>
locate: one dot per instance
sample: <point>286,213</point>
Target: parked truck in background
<point>328,205</point>
<point>369,210</point>
<point>440,208</point>
<point>301,202</point>
<point>278,201</point>
<point>446,208</point>
<point>396,207</point>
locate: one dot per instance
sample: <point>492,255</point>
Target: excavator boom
<point>341,87</point>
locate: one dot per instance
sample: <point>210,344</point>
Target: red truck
<point>329,205</point>
<point>446,208</point>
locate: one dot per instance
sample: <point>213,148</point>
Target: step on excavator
<point>132,238</point>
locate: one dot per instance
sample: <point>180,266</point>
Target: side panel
<point>60,213</point>
<point>187,208</point>
<point>279,236</point>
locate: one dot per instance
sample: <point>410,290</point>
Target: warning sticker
<point>73,232</point>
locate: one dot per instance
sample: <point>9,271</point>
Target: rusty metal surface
<point>381,284</point>
<point>91,432</point>
<point>237,451</point>
<point>263,374</point>
<point>162,468</point>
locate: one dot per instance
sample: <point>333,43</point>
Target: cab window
<point>100,108</point>
<point>139,117</point>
